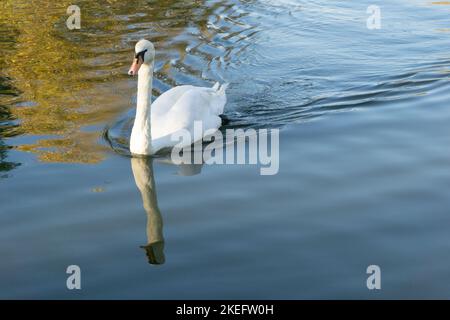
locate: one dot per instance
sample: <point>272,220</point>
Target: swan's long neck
<point>141,139</point>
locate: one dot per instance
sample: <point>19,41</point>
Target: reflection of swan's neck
<point>141,140</point>
<point>143,176</point>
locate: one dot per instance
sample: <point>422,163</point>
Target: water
<point>364,159</point>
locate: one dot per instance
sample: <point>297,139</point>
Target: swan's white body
<point>174,112</point>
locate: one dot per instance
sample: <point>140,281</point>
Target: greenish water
<point>364,152</point>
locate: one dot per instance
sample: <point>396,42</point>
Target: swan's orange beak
<point>137,63</point>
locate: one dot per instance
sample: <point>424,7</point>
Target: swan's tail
<point>220,88</point>
<point>220,98</point>
<point>223,88</point>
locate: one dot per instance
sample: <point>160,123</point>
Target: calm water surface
<point>364,155</point>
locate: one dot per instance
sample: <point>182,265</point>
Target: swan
<point>173,112</point>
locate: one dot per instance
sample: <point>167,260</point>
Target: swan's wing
<point>166,100</point>
<point>195,104</point>
<point>198,104</point>
<point>203,101</point>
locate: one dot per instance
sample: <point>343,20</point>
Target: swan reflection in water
<point>142,168</point>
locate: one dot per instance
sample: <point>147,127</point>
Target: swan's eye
<point>140,55</point>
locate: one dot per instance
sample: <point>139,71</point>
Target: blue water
<point>364,152</point>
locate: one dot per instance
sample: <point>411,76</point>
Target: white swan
<point>174,111</point>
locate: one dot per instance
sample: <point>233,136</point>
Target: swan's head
<point>145,53</point>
